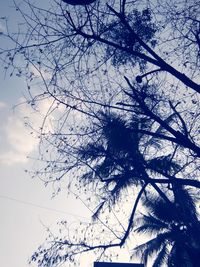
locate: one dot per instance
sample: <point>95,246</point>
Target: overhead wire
<point>40,206</point>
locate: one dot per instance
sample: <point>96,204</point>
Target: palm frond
<point>116,132</point>
<point>105,168</point>
<point>160,209</point>
<point>91,151</point>
<point>163,164</point>
<point>162,256</point>
<point>150,225</point>
<point>178,256</point>
<point>152,246</point>
<point>186,204</point>
<point>176,224</point>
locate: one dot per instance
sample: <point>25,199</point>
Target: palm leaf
<point>91,151</point>
<point>150,225</point>
<point>152,246</point>
<point>160,209</point>
<point>186,204</point>
<point>178,256</point>
<point>162,256</point>
<point>176,224</point>
<point>163,164</point>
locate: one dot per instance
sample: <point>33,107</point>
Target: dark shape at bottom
<point>78,2</point>
<point>112,264</point>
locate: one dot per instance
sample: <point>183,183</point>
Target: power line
<point>40,206</point>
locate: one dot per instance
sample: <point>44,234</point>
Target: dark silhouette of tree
<point>121,82</point>
<point>176,230</point>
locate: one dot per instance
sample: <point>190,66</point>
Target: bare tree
<point>121,80</point>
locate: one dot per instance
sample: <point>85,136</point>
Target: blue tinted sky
<point>22,199</point>
<point>21,229</point>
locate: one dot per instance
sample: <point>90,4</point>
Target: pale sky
<point>25,204</point>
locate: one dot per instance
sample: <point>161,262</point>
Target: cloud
<point>19,136</point>
<point>3,105</point>
<point>18,140</point>
<point>12,157</point>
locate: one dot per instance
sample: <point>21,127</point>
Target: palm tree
<point>115,159</point>
<point>176,230</point>
<point>115,156</point>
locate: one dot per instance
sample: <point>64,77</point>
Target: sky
<point>26,206</point>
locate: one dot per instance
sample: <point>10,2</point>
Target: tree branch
<point>159,61</point>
